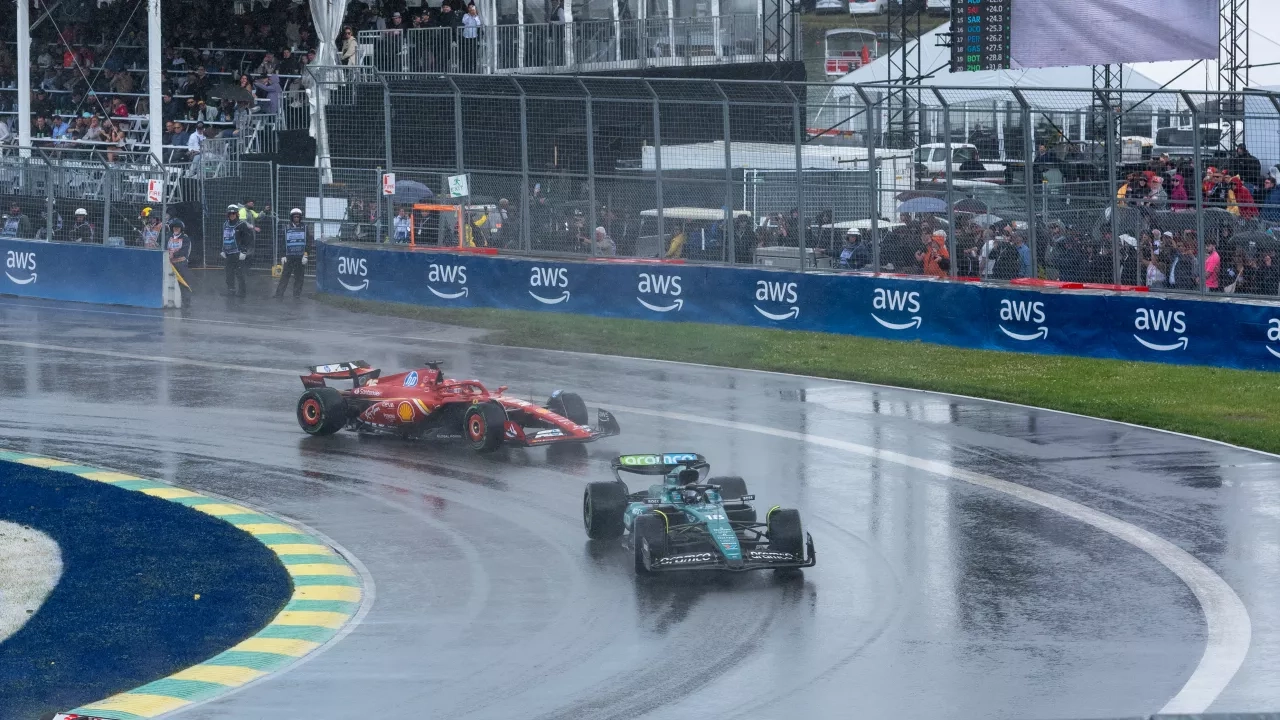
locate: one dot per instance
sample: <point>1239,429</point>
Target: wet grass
<point>1237,406</point>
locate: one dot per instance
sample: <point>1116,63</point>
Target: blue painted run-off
<point>1134,326</point>
<point>126,610</point>
<point>83,273</point>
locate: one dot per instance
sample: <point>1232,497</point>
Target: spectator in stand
<point>1182,268</point>
<point>1024,256</point>
<point>1270,200</point>
<point>1212,263</point>
<point>1156,196</point>
<point>1178,196</point>
<point>269,90</point>
<point>289,63</point>
<point>16,223</point>
<point>1247,167</point>
<point>40,130</point>
<point>81,228</point>
<point>603,244</point>
<point>60,129</point>
<point>400,226</point>
<point>469,45</point>
<point>195,142</point>
<point>934,258</point>
<point>347,55</point>
<point>1266,278</point>
<point>1245,207</point>
<point>268,66</point>
<point>112,134</point>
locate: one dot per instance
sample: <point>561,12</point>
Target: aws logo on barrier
<point>22,263</point>
<point>455,275</point>
<point>1273,335</point>
<point>777,292</point>
<point>1027,311</point>
<point>665,286</point>
<point>355,270</point>
<point>899,301</point>
<point>549,279</point>
<point>1161,321</point>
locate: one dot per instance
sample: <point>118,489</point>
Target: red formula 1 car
<point>422,403</point>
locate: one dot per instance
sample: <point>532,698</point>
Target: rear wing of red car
<point>358,372</point>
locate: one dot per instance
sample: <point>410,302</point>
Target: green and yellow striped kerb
<point>327,593</point>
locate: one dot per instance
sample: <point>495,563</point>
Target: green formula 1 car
<point>686,523</point>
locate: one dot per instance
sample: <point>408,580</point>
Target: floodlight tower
<point>904,77</point>
<point>1233,62</point>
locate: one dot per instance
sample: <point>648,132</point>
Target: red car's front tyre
<point>483,426</point>
<point>322,411</point>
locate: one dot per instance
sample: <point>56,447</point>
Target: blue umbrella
<point>411,191</point>
<point>923,205</point>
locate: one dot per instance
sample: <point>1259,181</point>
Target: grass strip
<point>1236,406</point>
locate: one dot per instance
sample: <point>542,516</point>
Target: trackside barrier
<point>87,273</point>
<point>1130,326</point>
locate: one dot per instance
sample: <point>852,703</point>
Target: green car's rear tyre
<point>732,488</point>
<point>322,411</point>
<point>649,541</point>
<point>569,405</point>
<point>785,533</point>
<point>603,505</point>
<point>483,425</point>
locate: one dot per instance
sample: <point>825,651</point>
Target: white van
<point>868,7</point>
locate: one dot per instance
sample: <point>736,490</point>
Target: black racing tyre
<point>785,533</point>
<point>732,487</point>
<point>649,541</point>
<point>603,505</point>
<point>569,405</point>
<point>483,425</point>
<point>322,411</point>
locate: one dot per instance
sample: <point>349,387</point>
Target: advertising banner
<point>1136,326</point>
<point>83,273</point>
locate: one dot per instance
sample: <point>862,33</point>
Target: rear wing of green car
<point>657,463</point>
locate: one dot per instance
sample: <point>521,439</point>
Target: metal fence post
<point>50,169</point>
<point>525,241</point>
<point>320,187</point>
<point>1198,163</point>
<point>108,187</point>
<point>802,225</point>
<point>657,164</point>
<point>591,165</point>
<point>1114,207</point>
<point>873,177</point>
<point>386,125</point>
<point>1028,179</point>
<point>273,177</point>
<point>950,169</point>
<point>731,249</point>
<point>457,126</point>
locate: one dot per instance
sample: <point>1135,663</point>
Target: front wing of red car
<point>563,430</point>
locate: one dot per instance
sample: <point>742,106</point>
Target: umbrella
<point>986,220</point>
<point>912,194</point>
<point>972,205</point>
<point>411,191</point>
<point>923,205</point>
<point>234,93</point>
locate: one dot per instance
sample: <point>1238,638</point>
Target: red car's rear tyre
<point>322,411</point>
<point>483,426</point>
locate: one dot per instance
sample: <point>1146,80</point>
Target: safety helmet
<point>81,211</point>
<point>146,212</point>
<point>295,211</point>
<point>233,209</point>
<point>177,224</point>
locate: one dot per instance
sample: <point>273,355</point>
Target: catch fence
<point>1049,186</point>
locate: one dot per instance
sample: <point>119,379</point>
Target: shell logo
<point>405,411</point>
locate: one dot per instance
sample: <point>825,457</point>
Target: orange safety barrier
<point>455,209</point>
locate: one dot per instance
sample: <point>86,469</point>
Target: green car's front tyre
<point>785,533</point>
<point>603,505</point>
<point>649,542</point>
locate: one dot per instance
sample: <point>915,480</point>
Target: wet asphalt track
<point>932,598</point>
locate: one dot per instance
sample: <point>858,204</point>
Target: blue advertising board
<point>1130,326</point>
<point>83,273</point>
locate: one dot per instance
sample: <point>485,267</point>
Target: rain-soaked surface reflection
<point>931,598</point>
